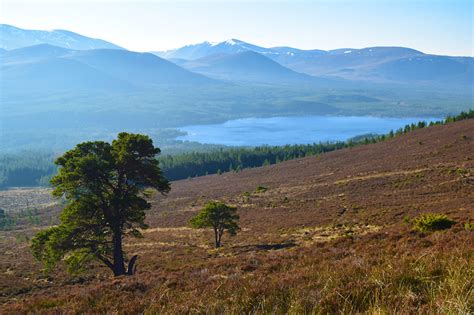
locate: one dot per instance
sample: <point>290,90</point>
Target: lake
<point>292,130</point>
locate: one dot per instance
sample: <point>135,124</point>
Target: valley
<point>236,157</point>
<point>82,88</point>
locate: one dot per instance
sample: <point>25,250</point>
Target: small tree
<point>220,217</point>
<point>105,186</point>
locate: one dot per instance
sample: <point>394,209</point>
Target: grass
<point>319,280</point>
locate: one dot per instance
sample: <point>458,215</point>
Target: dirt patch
<point>310,235</point>
<point>26,198</point>
<point>379,175</point>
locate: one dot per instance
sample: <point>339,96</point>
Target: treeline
<point>235,159</point>
<point>26,169</point>
<point>35,169</point>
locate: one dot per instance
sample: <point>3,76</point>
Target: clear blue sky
<point>433,26</point>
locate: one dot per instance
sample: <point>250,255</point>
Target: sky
<point>432,26</point>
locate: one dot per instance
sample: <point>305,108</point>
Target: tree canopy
<point>218,216</point>
<point>105,186</point>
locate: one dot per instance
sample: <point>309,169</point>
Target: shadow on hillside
<point>257,247</point>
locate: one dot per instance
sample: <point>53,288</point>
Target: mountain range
<point>67,81</point>
<point>236,60</point>
<point>375,64</point>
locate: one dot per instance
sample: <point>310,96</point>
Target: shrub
<point>406,219</point>
<point>432,222</point>
<point>469,226</point>
<point>261,189</point>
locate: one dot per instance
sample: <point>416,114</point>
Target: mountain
<point>12,37</point>
<point>53,76</point>
<point>426,68</point>
<point>339,60</point>
<point>137,68</point>
<point>204,49</point>
<point>285,55</point>
<point>385,64</point>
<point>372,64</point>
<point>50,68</point>
<point>244,66</point>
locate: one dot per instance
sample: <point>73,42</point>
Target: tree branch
<point>104,260</point>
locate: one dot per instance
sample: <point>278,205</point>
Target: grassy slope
<point>329,235</point>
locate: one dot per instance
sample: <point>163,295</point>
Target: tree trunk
<point>131,265</point>
<point>119,266</point>
<point>217,238</point>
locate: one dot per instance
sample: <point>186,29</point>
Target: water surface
<point>292,130</point>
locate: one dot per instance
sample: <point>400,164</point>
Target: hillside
<point>246,66</point>
<point>329,234</point>
<point>48,70</point>
<point>116,68</point>
<point>12,37</point>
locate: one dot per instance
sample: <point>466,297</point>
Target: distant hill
<point>52,69</point>
<point>56,75</point>
<point>245,66</point>
<point>12,37</point>
<point>343,60</point>
<point>427,68</point>
<point>137,68</point>
<point>386,64</point>
<point>31,54</point>
<point>373,64</point>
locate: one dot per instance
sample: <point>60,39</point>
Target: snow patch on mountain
<point>12,37</point>
<point>230,42</point>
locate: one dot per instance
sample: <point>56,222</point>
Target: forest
<point>35,168</point>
